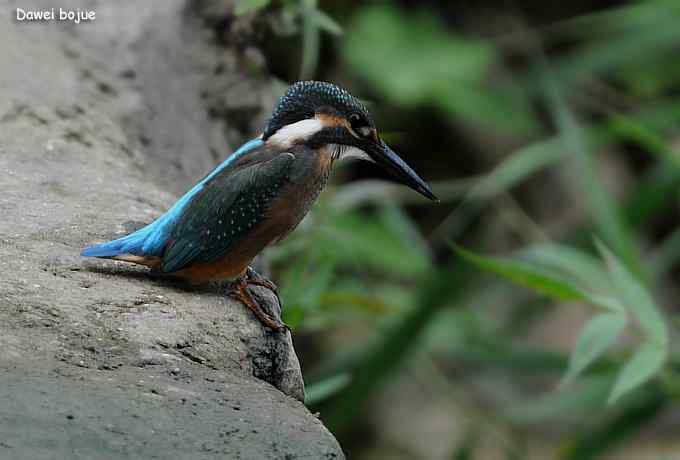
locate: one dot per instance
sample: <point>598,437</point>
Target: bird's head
<point>321,115</point>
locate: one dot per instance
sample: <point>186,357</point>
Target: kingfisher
<point>260,193</point>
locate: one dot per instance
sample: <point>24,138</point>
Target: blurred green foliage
<point>301,17</point>
<point>436,68</point>
<point>620,294</point>
<point>579,101</point>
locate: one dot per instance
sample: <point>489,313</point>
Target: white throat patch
<point>349,151</point>
<point>297,132</point>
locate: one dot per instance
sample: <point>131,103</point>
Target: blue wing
<point>152,239</point>
<point>227,210</point>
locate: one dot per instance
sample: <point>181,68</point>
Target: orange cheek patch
<point>332,121</point>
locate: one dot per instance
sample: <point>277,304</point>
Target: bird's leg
<point>239,291</point>
<point>259,280</point>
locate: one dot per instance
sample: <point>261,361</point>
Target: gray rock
<point>97,358</point>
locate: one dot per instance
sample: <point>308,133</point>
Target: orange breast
<point>236,261</point>
<point>284,215</point>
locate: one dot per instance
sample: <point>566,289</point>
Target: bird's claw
<point>255,278</point>
<point>240,292</point>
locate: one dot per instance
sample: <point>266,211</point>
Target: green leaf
<point>647,361</point>
<point>385,242</point>
<point>452,75</point>
<point>325,22</point>
<point>248,6</point>
<point>578,265</point>
<point>310,39</point>
<point>630,46</point>
<point>595,337</point>
<point>517,167</point>
<point>635,297</point>
<point>585,397</point>
<point>320,391</point>
<point>648,138</point>
<point>540,279</point>
<point>522,273</point>
<point>501,354</point>
<point>653,352</point>
<point>532,159</point>
<point>602,207</point>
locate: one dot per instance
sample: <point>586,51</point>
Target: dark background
<point>547,129</point>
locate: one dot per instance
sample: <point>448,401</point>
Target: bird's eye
<point>359,125</point>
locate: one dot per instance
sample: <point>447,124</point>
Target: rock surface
<point>101,125</point>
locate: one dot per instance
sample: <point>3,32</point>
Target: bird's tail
<point>145,246</point>
<point>108,249</point>
<point>129,248</point>
<point>132,244</point>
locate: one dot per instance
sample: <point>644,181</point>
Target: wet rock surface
<point>97,358</point>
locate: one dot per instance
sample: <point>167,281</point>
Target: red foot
<point>240,292</point>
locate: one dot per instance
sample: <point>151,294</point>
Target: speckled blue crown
<point>304,98</point>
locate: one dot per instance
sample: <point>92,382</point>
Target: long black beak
<point>390,161</point>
